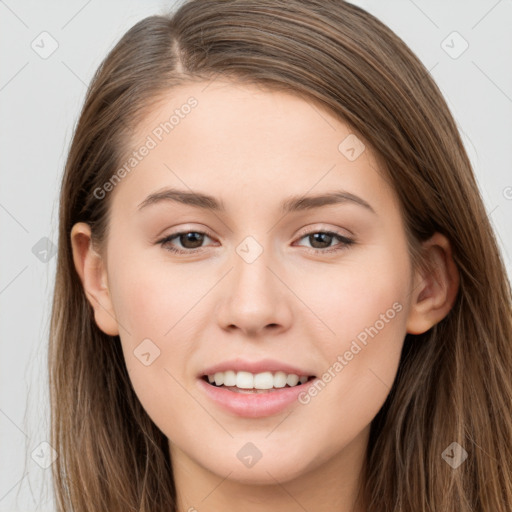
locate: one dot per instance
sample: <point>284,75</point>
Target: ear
<point>434,290</point>
<point>92,271</point>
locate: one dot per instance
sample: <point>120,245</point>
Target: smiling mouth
<point>253,390</point>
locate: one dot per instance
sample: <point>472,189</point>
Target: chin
<point>265,471</point>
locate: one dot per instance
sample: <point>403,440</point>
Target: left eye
<point>191,241</point>
<point>324,239</point>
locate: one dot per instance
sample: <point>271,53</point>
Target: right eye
<point>186,238</point>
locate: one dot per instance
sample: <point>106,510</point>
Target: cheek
<point>366,307</point>
<point>152,307</point>
<point>353,295</point>
<point>152,296</point>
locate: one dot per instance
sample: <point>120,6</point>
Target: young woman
<point>277,285</point>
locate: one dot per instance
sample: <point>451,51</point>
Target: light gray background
<point>40,101</point>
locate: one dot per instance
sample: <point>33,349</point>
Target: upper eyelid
<point>304,231</point>
<point>317,228</point>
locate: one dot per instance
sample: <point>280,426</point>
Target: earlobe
<point>434,290</point>
<point>92,271</point>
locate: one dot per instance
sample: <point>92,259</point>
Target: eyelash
<point>345,242</point>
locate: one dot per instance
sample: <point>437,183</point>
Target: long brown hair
<point>454,381</point>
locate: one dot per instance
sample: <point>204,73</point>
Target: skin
<point>253,148</point>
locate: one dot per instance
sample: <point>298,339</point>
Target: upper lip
<point>260,366</point>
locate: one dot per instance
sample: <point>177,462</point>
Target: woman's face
<point>268,279</point>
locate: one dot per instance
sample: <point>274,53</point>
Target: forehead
<point>222,107</point>
<point>223,136</point>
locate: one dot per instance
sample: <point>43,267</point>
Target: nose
<point>255,299</point>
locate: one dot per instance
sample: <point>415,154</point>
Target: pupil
<point>318,236</point>
<point>194,237</point>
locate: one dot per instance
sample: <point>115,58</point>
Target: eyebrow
<point>291,204</point>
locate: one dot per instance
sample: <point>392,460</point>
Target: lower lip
<point>255,405</point>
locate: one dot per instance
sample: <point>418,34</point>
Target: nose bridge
<point>251,271</point>
<point>252,279</point>
<point>254,296</point>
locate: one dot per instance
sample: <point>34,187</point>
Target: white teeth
<point>229,378</point>
<point>292,379</point>
<point>279,380</point>
<point>264,380</point>
<point>244,380</point>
